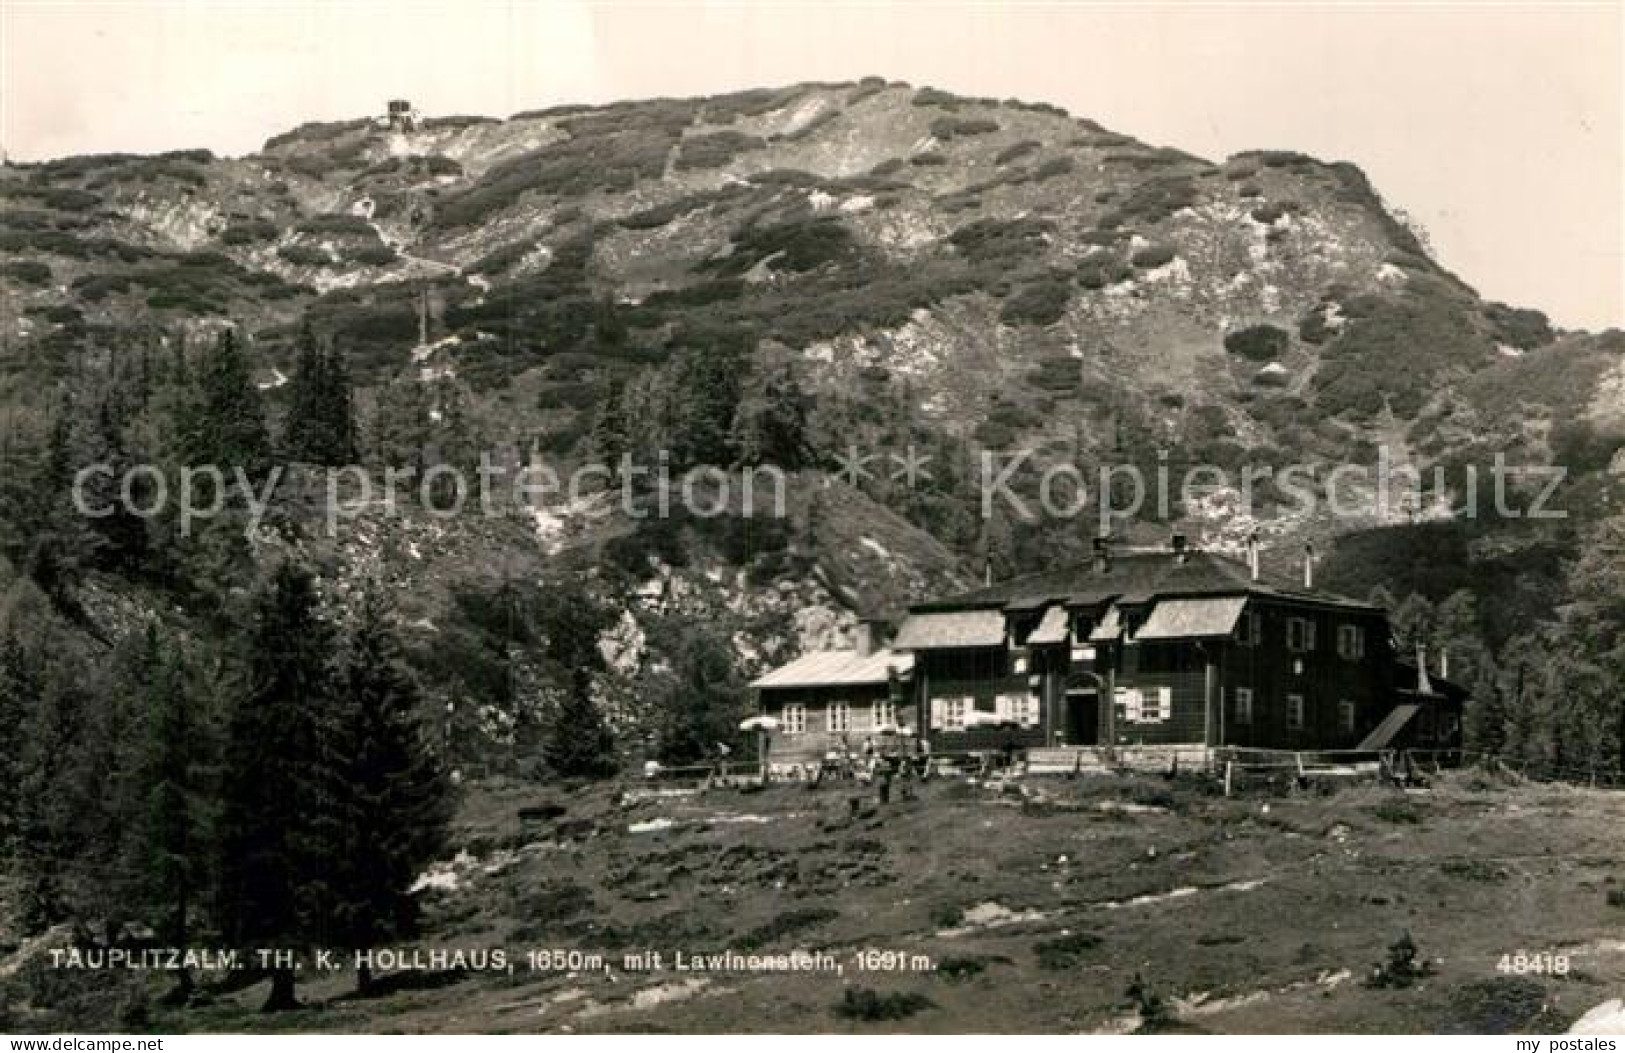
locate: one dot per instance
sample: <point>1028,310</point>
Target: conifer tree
<point>320,426</point>
<point>45,843</point>
<point>19,688</point>
<point>280,779</point>
<point>396,799</point>
<point>578,744</point>
<point>770,423</point>
<point>226,425</point>
<point>171,820</point>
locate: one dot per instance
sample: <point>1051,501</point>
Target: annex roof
<point>836,668</point>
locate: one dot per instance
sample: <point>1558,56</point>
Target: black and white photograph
<point>585,517</point>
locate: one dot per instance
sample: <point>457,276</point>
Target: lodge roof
<point>836,669</point>
<point>1133,578</point>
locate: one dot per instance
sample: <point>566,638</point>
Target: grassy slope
<point>1295,899</point>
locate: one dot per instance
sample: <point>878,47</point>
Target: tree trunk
<point>281,997</point>
<point>363,979</point>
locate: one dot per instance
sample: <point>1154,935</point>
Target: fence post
<point>1228,765</point>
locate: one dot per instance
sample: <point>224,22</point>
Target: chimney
<point>1309,567</point>
<point>1180,546</point>
<point>1103,553</point>
<point>1252,554</point>
<point>1423,686</point>
<point>863,635</point>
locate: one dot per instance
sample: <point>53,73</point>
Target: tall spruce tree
<point>396,798</point>
<point>19,688</point>
<point>281,778</point>
<point>225,423</point>
<point>320,426</point>
<point>578,743</point>
<point>46,846</point>
<point>171,821</point>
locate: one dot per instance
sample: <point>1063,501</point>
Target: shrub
<point>1258,343</point>
<point>1501,1005</point>
<point>1155,255</point>
<point>1064,952</point>
<point>29,272</point>
<point>1153,1011</point>
<point>1473,870</point>
<point>794,246</point>
<point>441,165</point>
<point>961,968</point>
<point>993,435</point>
<point>1578,446</point>
<point>1059,374</point>
<point>1001,240</point>
<point>867,87</point>
<point>934,97</point>
<point>247,231</point>
<point>1398,811</point>
<point>1037,303</point>
<point>304,255</point>
<point>336,224</point>
<point>1155,200</point>
<point>1616,898</point>
<point>376,254</point>
<point>1312,327</point>
<point>1017,151</point>
<point>1055,166</point>
<point>1402,969</point>
<point>949,128</point>
<point>715,149</point>
<point>1268,214</point>
<point>863,1003</point>
<point>1522,328</point>
<point>1101,271</point>
<point>786,924</point>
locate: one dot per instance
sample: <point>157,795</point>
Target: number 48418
<point>1521,963</point>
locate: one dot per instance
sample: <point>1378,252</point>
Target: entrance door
<point>1082,718</point>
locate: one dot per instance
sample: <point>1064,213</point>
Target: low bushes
<point>1155,255</point>
<point>949,128</point>
<point>1258,343</point>
<point>1040,302</point>
<point>863,1003</point>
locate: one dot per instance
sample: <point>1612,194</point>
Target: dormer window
<point>1300,634</point>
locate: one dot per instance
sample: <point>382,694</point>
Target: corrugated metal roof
<point>835,668</point>
<point>1183,619</point>
<point>921,632</point>
<point>1052,628</point>
<point>1109,628</point>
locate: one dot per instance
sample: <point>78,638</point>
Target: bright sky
<point>1497,125</point>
